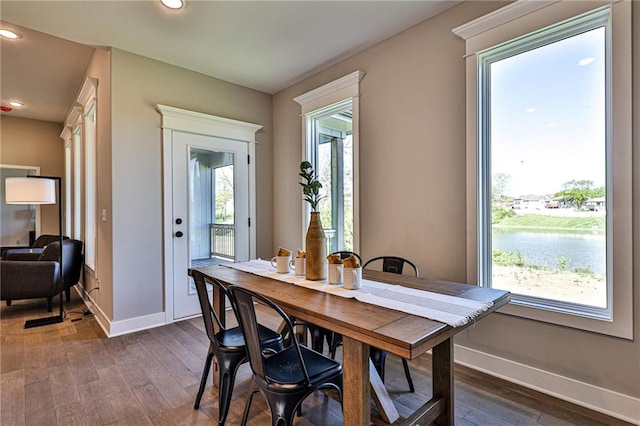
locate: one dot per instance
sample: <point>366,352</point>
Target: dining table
<point>363,324</point>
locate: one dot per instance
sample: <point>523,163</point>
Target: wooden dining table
<point>363,325</point>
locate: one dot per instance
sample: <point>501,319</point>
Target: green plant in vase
<point>311,185</point>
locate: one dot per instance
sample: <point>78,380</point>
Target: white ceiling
<point>263,45</point>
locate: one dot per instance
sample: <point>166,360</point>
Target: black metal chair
<point>287,377</point>
<point>393,264</point>
<point>226,344</point>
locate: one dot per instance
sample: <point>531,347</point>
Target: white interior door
<point>210,203</point>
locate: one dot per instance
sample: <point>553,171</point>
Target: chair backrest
<point>208,313</point>
<point>46,239</point>
<point>72,259</point>
<point>345,254</point>
<point>243,301</point>
<point>393,264</point>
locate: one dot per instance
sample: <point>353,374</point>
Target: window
<point>552,193</point>
<point>68,180</point>
<point>87,100</point>
<point>332,140</point>
<point>77,182</point>
<point>543,174</point>
<point>330,120</point>
<point>80,137</point>
<point>90,184</point>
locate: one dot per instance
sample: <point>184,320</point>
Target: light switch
<point>104,215</point>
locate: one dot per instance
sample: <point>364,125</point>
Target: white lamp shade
<point>22,190</point>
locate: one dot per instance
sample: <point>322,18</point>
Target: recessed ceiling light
<point>16,104</point>
<point>9,34</point>
<point>173,4</point>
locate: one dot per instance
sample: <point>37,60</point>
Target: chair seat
<point>285,368</point>
<point>232,338</point>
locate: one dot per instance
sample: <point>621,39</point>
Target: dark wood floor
<point>71,374</point>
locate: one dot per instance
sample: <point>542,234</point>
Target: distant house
<point>531,202</point>
<point>596,203</point>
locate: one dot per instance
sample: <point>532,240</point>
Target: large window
<point>549,141</point>
<point>543,175</point>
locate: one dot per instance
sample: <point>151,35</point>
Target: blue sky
<point>548,115</point>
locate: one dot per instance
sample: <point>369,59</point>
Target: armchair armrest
<point>22,254</point>
<point>3,249</point>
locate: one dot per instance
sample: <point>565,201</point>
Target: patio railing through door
<point>222,240</point>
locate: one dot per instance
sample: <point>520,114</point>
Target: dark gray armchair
<point>23,279</point>
<point>29,279</point>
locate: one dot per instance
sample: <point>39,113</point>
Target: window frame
<point>325,98</point>
<point>509,23</point>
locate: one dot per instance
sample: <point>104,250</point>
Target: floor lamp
<point>39,190</point>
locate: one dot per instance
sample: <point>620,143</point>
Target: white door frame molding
<point>181,120</point>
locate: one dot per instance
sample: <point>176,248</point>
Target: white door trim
<point>176,119</point>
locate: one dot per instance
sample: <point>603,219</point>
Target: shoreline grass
<point>537,221</point>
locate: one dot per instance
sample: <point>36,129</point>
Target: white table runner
<point>451,310</point>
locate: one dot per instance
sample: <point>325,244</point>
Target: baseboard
<point>605,401</point>
<point>119,328</point>
<point>131,325</point>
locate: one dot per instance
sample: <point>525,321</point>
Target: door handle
<point>179,234</point>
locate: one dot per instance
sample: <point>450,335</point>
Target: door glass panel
<point>211,207</point>
<point>210,210</point>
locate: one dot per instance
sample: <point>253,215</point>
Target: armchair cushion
<point>45,239</point>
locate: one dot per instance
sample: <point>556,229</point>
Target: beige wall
<point>34,143</point>
<point>138,84</point>
<point>412,162</point>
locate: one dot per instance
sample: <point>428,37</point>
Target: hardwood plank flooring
<point>71,374</point>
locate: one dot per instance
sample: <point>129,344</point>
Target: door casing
<point>180,120</point>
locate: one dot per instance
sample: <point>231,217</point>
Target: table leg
<point>443,380</point>
<point>356,397</point>
<point>381,397</point>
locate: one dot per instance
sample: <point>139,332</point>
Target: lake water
<point>543,248</point>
